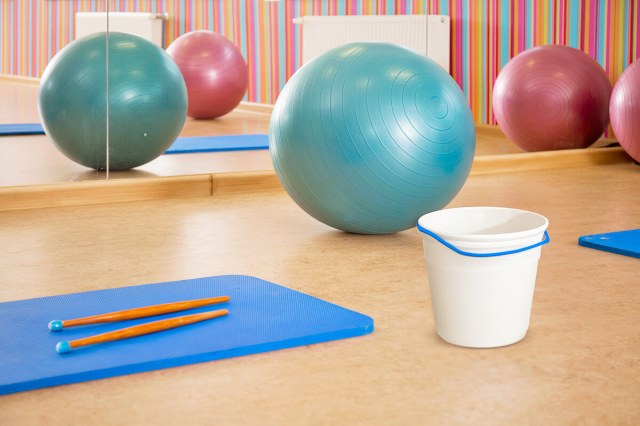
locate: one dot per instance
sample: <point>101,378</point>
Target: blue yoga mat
<point>185,145</point>
<point>218,143</point>
<point>21,129</point>
<point>626,243</point>
<point>262,317</point>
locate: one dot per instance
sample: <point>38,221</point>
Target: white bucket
<point>482,264</point>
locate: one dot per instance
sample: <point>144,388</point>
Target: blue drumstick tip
<point>63,347</point>
<point>55,325</point>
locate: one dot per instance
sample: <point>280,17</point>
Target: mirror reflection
<point>234,58</point>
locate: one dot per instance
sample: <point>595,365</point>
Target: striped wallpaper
<point>485,33</point>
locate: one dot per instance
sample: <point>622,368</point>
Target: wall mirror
<point>482,38</point>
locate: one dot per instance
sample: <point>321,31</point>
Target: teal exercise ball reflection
<point>368,137</point>
<point>147,101</point>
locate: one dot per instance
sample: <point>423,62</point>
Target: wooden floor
<point>579,364</point>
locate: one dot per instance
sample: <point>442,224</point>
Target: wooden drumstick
<point>146,311</point>
<point>139,330</point>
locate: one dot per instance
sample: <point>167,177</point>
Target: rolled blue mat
<point>185,145</point>
<point>188,145</point>
<point>21,129</point>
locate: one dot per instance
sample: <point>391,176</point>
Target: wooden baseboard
<point>492,131</point>
<point>18,79</point>
<point>255,107</point>
<point>489,131</point>
<point>133,189</point>
<point>233,183</point>
<point>512,163</point>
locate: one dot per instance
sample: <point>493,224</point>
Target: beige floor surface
<point>579,363</point>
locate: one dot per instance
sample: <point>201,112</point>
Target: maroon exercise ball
<point>214,71</point>
<point>625,110</point>
<point>552,97</point>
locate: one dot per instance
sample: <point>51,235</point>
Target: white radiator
<point>146,25</point>
<point>426,34</point>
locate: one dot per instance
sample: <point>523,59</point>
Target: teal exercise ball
<point>368,137</point>
<point>147,104</point>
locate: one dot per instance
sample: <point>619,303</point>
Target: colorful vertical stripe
<point>485,34</point>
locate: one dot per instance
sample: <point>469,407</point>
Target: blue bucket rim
<point>445,232</point>
<point>450,246</point>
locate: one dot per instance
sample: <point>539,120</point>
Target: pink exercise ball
<point>625,110</point>
<point>214,71</point>
<point>552,97</point>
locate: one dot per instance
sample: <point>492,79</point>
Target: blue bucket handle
<point>466,253</point>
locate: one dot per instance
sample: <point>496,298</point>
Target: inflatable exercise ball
<point>552,97</point>
<point>625,110</point>
<point>368,137</point>
<point>214,70</point>
<point>147,101</point>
